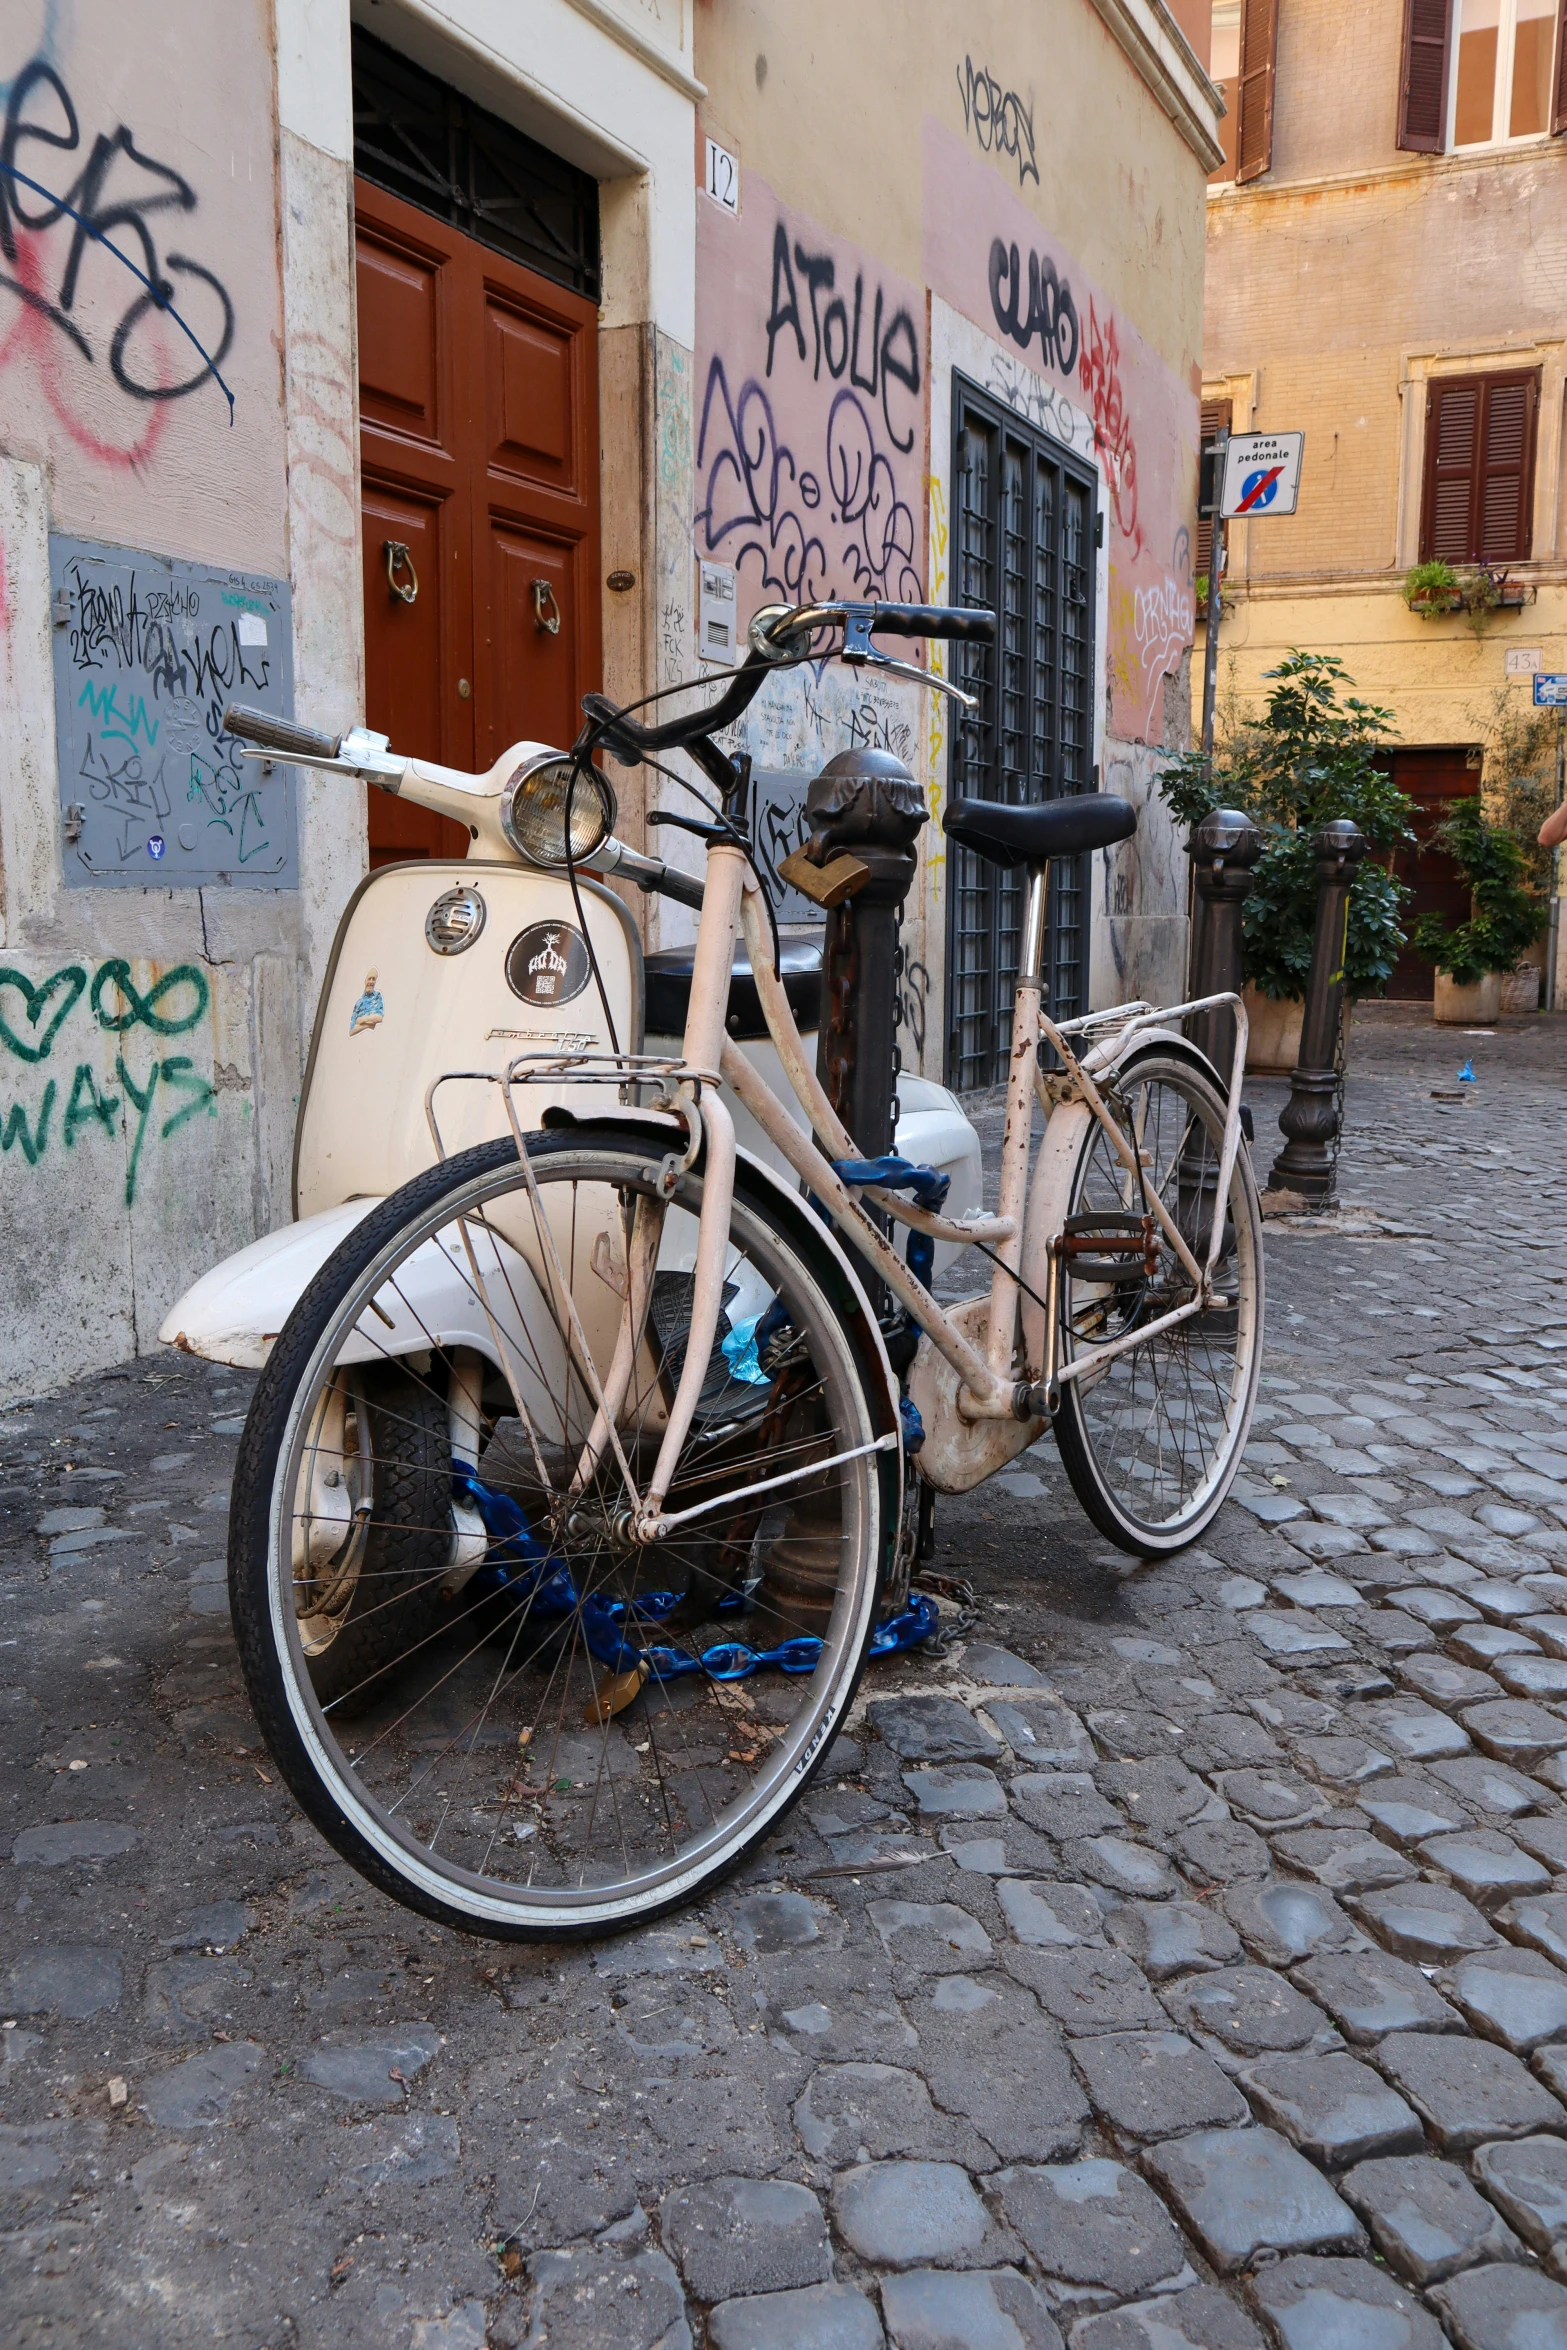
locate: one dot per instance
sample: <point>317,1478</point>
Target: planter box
<point>1273,1039</point>
<point>1467,1007</point>
<point>1435,603</point>
<point>1521,989</point>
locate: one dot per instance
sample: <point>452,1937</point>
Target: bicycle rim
<point>1152,1441</point>
<point>551,1757</point>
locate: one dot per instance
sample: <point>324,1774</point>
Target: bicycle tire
<point>780,1232</point>
<point>1105,1445</point>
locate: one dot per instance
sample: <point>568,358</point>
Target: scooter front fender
<point>235,1311</point>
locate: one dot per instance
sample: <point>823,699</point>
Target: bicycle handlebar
<point>271,733</point>
<point>950,623</point>
<point>628,738</point>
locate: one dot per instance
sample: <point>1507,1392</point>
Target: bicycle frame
<point>1023,1233</point>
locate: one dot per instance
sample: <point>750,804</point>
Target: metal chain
<point>1340,1095</point>
<point>966,1615</point>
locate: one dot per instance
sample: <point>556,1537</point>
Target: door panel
<point>532,672</point>
<point>400,353</point>
<point>529,394</point>
<point>408,661</point>
<point>479,420</point>
<point>1434,780</point>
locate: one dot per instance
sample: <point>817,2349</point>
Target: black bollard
<point>865,802</point>
<point>867,805</point>
<point>1223,849</point>
<point>1310,1118</point>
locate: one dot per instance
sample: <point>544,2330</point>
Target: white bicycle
<point>579,1486</point>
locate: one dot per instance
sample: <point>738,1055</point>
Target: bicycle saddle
<point>1032,836</point>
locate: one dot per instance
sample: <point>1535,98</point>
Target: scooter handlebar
<point>271,733</point>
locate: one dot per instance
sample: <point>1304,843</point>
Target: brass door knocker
<point>398,558</point>
<point>546,611</point>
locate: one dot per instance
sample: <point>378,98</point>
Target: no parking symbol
<point>1261,474</point>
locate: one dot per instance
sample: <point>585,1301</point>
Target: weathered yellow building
<point>1387,271</point>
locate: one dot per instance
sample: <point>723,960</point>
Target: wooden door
<point>1434,779</point>
<point>479,447</point>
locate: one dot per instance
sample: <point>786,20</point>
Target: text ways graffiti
<point>32,1015</point>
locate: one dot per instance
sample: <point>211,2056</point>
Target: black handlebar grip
<point>955,623</point>
<point>270,733</point>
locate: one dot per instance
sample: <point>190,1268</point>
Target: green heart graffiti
<point>73,979</point>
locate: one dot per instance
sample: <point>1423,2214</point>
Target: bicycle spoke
<point>537,1724</point>
<point>1152,1435</point>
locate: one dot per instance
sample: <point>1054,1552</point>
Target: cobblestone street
<point>1182,1963</point>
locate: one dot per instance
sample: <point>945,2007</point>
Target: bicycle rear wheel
<point>554,1737</point>
<point>1152,1440</point>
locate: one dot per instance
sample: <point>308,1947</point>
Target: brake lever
<point>884,661</point>
<point>856,650</point>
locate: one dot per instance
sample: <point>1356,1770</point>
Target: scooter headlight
<point>534,811</point>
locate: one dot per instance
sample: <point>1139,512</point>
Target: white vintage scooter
<point>445,971</point>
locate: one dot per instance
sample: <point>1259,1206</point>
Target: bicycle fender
<point>1168,1040</point>
<point>1049,1194</point>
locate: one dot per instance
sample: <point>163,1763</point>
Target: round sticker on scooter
<point>548,964</point>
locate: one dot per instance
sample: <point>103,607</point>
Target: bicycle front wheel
<point>519,1718</point>
<point>1152,1439</point>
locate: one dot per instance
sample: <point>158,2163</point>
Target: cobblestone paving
<point>1184,1963</point>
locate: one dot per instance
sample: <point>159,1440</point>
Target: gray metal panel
<point>147,651</point>
<point>777,814</point>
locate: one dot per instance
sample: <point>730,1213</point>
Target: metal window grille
<point>423,141</point>
<point>1023,541</point>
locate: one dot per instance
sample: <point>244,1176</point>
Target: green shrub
<point>1310,758</point>
<point>1437,580</point>
<point>1505,918</point>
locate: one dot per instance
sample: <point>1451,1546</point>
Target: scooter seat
<point>668,988</point>
<point>1032,836</point>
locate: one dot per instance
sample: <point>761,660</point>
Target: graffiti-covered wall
<point>149,925</point>
<point>910,198</point>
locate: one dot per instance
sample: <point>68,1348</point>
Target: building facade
<point>436,364</point>
<point>1387,239</point>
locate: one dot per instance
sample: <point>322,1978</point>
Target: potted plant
<point>1506,917</point>
<point>1433,589</point>
<point>1312,756</point>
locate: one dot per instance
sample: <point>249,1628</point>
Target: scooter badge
<point>370,1010</point>
<point>548,964</point>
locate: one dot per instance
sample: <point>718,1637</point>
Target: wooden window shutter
<point>1452,437</point>
<point>1422,93</point>
<point>1215,418</point>
<point>1505,489</point>
<point>1254,89</point>
<point>1559,96</point>
<point>1479,471</point>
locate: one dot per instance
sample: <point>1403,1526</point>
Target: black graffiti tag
<point>93,209</point>
<point>998,119</point>
<point>893,348</point>
<point>1051,312</point>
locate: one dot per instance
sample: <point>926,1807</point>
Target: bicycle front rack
<point>629,1073</point>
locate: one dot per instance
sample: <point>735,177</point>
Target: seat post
<point>1002,1321</point>
<point>1031,961</point>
